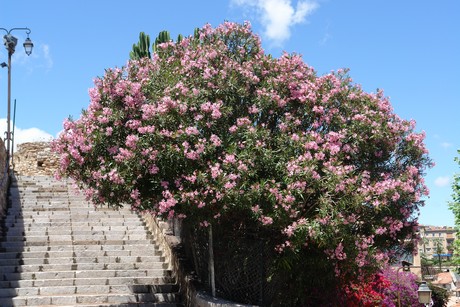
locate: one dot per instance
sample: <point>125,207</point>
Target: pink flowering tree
<point>212,128</point>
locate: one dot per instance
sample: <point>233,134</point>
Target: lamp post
<point>405,266</point>
<point>10,43</point>
<point>424,292</point>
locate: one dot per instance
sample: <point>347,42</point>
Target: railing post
<point>211,263</point>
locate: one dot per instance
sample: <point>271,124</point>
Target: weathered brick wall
<point>35,159</point>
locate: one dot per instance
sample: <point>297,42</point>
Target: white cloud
<point>40,59</point>
<point>442,181</point>
<point>446,145</point>
<point>22,135</point>
<point>278,16</point>
<point>47,56</point>
<point>326,36</point>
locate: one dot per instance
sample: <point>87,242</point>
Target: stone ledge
<point>202,299</point>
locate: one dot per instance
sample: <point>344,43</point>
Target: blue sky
<point>408,48</point>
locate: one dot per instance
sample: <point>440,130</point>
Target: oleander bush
<point>212,128</point>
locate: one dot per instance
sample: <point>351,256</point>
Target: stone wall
<point>35,159</point>
<point>4,181</point>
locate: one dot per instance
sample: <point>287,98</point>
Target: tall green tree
<point>454,205</point>
<point>439,250</point>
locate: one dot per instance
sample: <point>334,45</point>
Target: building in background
<point>435,241</point>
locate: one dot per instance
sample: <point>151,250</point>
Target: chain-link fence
<point>243,260</point>
<point>249,270</point>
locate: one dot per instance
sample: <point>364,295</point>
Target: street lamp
<point>10,43</point>
<point>424,293</point>
<point>405,266</point>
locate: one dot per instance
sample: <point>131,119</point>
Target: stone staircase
<point>56,249</point>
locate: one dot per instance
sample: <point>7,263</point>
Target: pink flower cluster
<point>215,126</point>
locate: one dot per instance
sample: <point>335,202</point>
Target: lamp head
<point>406,265</point>
<point>424,293</point>
<point>10,43</point>
<point>28,46</point>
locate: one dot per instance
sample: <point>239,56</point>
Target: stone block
<point>63,300</point>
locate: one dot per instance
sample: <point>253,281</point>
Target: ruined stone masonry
<point>35,159</point>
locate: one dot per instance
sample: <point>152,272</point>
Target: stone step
<point>15,235</point>
<point>80,260</point>
<point>11,233</point>
<point>76,224</point>
<point>89,253</point>
<point>65,212</point>
<point>72,266</point>
<point>139,248</point>
<point>71,219</point>
<point>40,193</point>
<point>113,299</point>
<point>19,246</point>
<point>98,216</point>
<point>15,232</point>
<point>30,202</point>
<point>82,231</point>
<point>71,226</point>
<point>63,206</point>
<point>86,274</point>
<point>136,249</point>
<point>163,282</point>
<point>80,289</point>
<point>65,228</point>
<point>163,304</point>
<point>88,236</point>
<point>44,205</point>
<point>46,195</point>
